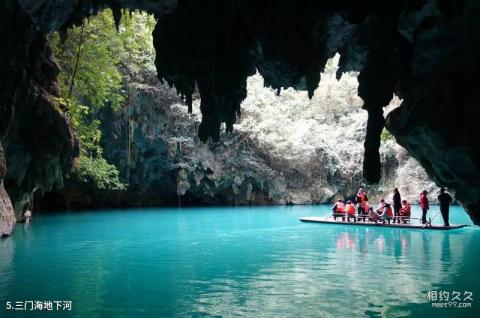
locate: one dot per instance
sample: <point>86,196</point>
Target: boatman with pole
<point>445,199</point>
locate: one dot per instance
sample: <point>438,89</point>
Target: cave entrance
<point>138,139</point>
<point>315,146</point>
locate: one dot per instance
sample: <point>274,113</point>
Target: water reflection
<point>26,229</point>
<point>7,248</point>
<point>380,243</point>
<point>345,241</point>
<point>399,268</point>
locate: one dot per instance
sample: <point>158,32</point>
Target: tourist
<point>388,213</point>
<point>445,199</point>
<point>381,206</point>
<point>397,202</point>
<point>405,211</point>
<point>375,216</point>
<point>424,205</point>
<point>339,209</point>
<point>365,208</point>
<point>361,198</point>
<point>350,208</point>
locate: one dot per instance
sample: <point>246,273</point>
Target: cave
<point>424,51</point>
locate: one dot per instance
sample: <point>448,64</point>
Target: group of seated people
<point>363,211</point>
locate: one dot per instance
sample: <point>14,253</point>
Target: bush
<point>98,172</point>
<point>386,135</point>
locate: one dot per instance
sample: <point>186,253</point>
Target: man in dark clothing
<point>397,202</point>
<point>445,199</point>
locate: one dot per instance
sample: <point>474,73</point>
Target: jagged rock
<point>40,145</point>
<point>132,139</point>
<point>264,160</point>
<point>7,215</point>
<point>439,117</point>
<point>182,182</point>
<point>30,123</point>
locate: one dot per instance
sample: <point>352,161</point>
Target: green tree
<point>97,66</point>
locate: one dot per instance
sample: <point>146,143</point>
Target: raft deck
<point>329,220</point>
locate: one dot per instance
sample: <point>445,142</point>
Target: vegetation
<point>98,64</point>
<point>386,135</point>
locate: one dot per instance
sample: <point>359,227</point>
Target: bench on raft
<point>400,219</point>
<point>339,215</point>
<point>364,217</point>
<point>345,215</point>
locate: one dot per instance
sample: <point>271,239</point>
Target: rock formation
<point>437,122</point>
<point>426,52</point>
<point>39,144</point>
<point>286,148</point>
<point>7,216</point>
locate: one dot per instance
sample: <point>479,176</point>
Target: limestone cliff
<point>37,139</point>
<point>286,148</point>
<point>40,145</point>
<point>7,215</point>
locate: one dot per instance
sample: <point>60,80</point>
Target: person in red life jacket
<point>350,208</point>
<point>405,210</point>
<point>361,198</point>
<point>424,205</point>
<point>366,207</point>
<point>388,214</point>
<point>339,208</point>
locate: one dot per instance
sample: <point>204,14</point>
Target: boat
<point>329,220</point>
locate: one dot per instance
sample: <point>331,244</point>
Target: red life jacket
<point>406,210</point>
<point>350,208</point>
<point>365,207</point>
<point>360,197</point>
<point>340,207</point>
<point>424,202</point>
<point>389,212</point>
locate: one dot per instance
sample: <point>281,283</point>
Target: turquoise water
<point>255,262</point>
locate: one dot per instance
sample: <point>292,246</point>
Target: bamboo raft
<point>329,220</point>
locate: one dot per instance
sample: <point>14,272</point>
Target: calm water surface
<point>255,262</point>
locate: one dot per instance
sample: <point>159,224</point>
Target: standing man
<point>397,202</point>
<point>361,198</point>
<point>424,205</point>
<point>445,199</point>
